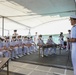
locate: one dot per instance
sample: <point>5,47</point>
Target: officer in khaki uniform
<point>73,41</point>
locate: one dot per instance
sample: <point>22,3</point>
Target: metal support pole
<point>29,31</point>
<point>8,32</point>
<point>2,26</point>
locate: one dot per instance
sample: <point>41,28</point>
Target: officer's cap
<point>73,17</point>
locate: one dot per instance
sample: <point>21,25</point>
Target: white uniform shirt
<point>61,40</point>
<point>31,40</point>
<point>7,44</point>
<point>73,35</point>
<point>40,41</point>
<point>50,41</point>
<point>36,39</point>
<point>24,42</point>
<point>20,43</point>
<point>68,35</point>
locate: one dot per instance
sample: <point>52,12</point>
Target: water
<point>55,38</point>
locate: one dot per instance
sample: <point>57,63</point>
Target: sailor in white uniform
<point>15,33</point>
<point>40,44</point>
<point>33,46</point>
<point>73,41</point>
<point>6,45</point>
<point>61,40</point>
<point>51,42</point>
<point>14,47</point>
<point>29,44</point>
<point>68,43</point>
<point>36,38</point>
<point>20,46</point>
<point>25,48</point>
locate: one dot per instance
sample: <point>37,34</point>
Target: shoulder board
<point>74,26</point>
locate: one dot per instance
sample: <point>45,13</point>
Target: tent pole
<point>8,32</point>
<point>2,26</point>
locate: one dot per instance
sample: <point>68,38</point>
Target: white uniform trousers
<point>73,55</point>
<point>1,54</point>
<point>12,54</point>
<point>25,50</point>
<point>16,51</point>
<point>20,51</point>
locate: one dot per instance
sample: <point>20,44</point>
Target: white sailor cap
<point>73,16</point>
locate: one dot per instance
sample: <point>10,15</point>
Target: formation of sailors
<point>16,47</point>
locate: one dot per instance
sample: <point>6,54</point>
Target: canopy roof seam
<point>48,22</point>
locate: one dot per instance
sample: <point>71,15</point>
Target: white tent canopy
<point>29,14</point>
